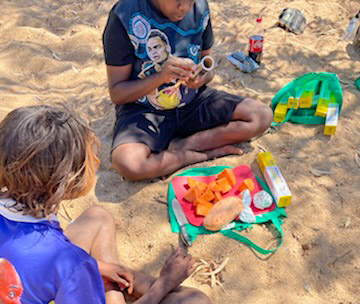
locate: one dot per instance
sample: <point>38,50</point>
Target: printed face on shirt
<point>157,48</point>
<point>11,288</point>
<point>175,10</point>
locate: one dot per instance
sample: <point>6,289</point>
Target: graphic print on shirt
<point>185,39</point>
<point>194,52</point>
<point>158,50</point>
<point>11,288</point>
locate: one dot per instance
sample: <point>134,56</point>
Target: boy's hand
<point>177,68</point>
<point>197,82</point>
<point>177,268</point>
<point>117,274</point>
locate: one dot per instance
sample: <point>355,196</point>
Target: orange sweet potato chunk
<point>200,201</point>
<point>218,196</point>
<point>203,207</point>
<point>202,187</point>
<point>192,194</point>
<point>229,175</point>
<point>247,184</point>
<point>193,182</point>
<point>222,185</point>
<point>207,195</point>
<point>212,184</point>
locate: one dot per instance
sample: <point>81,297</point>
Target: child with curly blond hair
<point>47,155</point>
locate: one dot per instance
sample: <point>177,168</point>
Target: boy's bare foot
<point>222,151</point>
<point>179,144</point>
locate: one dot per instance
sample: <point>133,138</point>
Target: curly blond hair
<point>47,154</point>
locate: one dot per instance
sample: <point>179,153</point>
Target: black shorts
<point>136,123</point>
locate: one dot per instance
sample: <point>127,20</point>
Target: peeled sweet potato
<point>193,182</point>
<point>218,196</point>
<point>203,207</point>
<point>222,185</point>
<point>192,194</point>
<point>223,212</point>
<point>247,184</point>
<point>207,195</point>
<point>229,175</point>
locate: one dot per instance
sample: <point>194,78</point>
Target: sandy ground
<point>50,50</point>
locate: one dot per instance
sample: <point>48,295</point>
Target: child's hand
<point>197,82</point>
<point>177,268</point>
<point>177,68</point>
<point>118,274</point>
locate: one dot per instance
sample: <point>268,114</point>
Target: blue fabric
<point>49,265</point>
<point>140,20</point>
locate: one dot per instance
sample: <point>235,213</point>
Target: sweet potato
<point>193,182</point>
<point>222,185</point>
<point>192,194</point>
<point>218,196</point>
<point>223,212</point>
<point>203,207</point>
<point>229,175</point>
<point>247,184</point>
<point>207,195</point>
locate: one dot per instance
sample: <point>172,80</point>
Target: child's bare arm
<point>122,90</point>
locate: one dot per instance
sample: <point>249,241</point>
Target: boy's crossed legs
<point>136,161</point>
<point>95,232</point>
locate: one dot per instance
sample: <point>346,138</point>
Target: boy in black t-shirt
<point>149,45</point>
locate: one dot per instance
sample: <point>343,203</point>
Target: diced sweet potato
<point>212,184</point>
<point>208,195</point>
<point>193,182</point>
<point>229,175</point>
<point>202,187</point>
<point>203,208</point>
<point>218,196</point>
<point>247,184</point>
<point>192,194</point>
<point>222,185</point>
<point>201,202</point>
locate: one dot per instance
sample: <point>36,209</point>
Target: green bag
<point>296,88</point>
<point>274,216</point>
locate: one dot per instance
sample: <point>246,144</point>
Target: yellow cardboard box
<point>307,96</point>
<point>278,186</point>
<point>274,179</point>
<point>280,112</point>
<point>265,159</point>
<point>332,118</point>
<point>326,97</point>
<point>293,103</point>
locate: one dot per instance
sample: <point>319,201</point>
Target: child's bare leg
<point>135,161</point>
<point>114,296</point>
<point>250,118</point>
<point>95,232</point>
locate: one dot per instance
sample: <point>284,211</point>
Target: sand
<point>51,51</point>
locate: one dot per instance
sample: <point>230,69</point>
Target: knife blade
<point>182,220</point>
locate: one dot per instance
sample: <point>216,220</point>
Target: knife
<point>182,220</point>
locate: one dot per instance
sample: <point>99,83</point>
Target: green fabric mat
<point>274,216</point>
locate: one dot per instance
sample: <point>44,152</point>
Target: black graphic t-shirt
<point>137,33</point>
